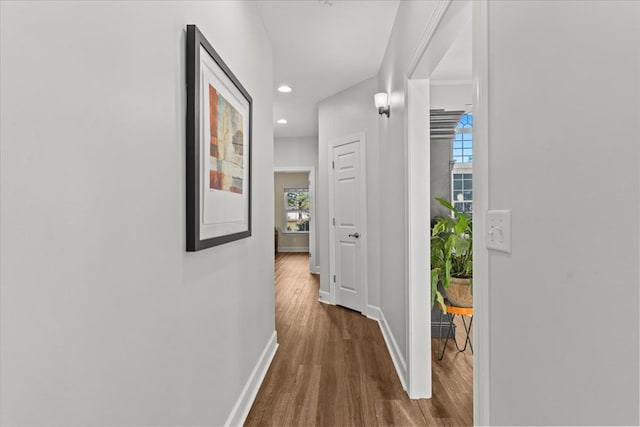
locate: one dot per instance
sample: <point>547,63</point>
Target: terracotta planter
<point>459,292</point>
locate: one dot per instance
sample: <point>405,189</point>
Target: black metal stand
<point>467,330</point>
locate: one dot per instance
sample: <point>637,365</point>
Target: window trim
<point>287,209</point>
<point>462,168</point>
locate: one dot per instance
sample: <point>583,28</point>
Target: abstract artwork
<point>227,146</point>
<point>218,154</point>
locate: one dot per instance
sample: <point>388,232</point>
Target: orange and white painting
<point>226,149</point>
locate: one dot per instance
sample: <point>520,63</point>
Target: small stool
<point>461,311</point>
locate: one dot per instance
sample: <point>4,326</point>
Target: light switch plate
<point>499,230</point>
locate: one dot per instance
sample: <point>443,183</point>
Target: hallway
<point>333,368</point>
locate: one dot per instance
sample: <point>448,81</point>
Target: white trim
<point>373,312</point>
<point>439,32</point>
<point>364,238</point>
<point>430,29</point>
<point>462,168</point>
<point>394,350</point>
<point>481,273</point>
<point>312,210</point>
<point>292,249</point>
<point>418,249</point>
<point>331,228</point>
<point>292,169</point>
<point>241,409</point>
<point>333,143</point>
<point>324,297</point>
<point>450,82</point>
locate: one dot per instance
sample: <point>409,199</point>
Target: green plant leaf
<point>451,246</point>
<point>435,278</point>
<point>441,302</point>
<point>460,246</point>
<point>461,225</point>
<point>447,205</point>
<point>446,278</point>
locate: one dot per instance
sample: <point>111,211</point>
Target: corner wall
<point>105,319</point>
<point>295,151</point>
<point>564,98</point>
<point>407,31</point>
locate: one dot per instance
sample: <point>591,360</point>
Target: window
<point>463,141</point>
<point>296,210</point>
<point>462,192</point>
<point>462,171</point>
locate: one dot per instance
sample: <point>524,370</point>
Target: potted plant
<point>452,258</point>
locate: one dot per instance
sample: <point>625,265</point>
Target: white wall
<point>346,113</point>
<point>450,96</point>
<point>407,31</point>
<point>564,98</point>
<point>298,151</point>
<point>105,319</point>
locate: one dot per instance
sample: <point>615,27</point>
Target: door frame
<point>481,191</point>
<point>439,34</point>
<point>418,196</point>
<point>435,30</point>
<point>333,143</point>
<point>313,266</point>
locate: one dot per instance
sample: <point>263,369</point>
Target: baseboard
<point>316,270</point>
<point>373,312</point>
<point>324,297</point>
<point>243,404</point>
<point>292,249</point>
<point>394,350</point>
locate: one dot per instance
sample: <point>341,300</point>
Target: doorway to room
<point>451,203</point>
<point>294,212</point>
<point>432,86</point>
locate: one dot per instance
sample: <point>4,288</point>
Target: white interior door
<point>348,210</point>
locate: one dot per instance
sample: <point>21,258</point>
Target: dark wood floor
<point>333,368</point>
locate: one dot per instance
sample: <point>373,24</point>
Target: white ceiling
<point>321,48</point>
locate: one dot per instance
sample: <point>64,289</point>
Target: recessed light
<point>284,89</point>
<point>282,121</point>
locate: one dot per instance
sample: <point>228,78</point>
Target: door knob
<point>356,235</point>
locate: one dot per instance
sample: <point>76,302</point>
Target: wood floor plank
<point>332,367</point>
<point>400,413</point>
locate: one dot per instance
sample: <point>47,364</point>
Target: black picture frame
<point>220,211</point>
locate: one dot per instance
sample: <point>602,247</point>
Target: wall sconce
<point>382,103</point>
